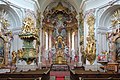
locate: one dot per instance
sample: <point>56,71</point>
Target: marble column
<point>43,41</point>
<point>50,46</point>
<point>47,45</point>
<point>80,61</point>
<point>75,42</point>
<point>73,34</point>
<point>73,46</point>
<point>69,41</point>
<point>0,26</point>
<point>112,52</point>
<point>50,39</point>
<point>46,34</point>
<point>6,52</point>
<point>40,49</point>
<point>43,47</point>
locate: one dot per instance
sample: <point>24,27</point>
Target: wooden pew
<point>44,74</point>
<point>93,75</point>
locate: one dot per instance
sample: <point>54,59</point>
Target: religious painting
<point>59,45</point>
<point>1,50</point>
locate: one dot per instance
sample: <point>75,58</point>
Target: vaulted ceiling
<point>44,3</point>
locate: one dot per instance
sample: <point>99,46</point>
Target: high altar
<point>59,35</point>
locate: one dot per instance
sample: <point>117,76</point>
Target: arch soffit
<point>47,2</point>
<point>12,15</point>
<point>104,19</point>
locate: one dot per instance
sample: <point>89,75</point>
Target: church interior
<point>59,39</point>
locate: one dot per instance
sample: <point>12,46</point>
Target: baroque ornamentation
<point>3,20</point>
<point>115,19</point>
<point>113,37</point>
<point>28,34</point>
<point>81,29</point>
<point>60,21</point>
<point>91,45</point>
<point>14,57</point>
<point>29,28</point>
<point>5,38</point>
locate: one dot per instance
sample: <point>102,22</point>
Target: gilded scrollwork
<point>28,34</point>
<point>115,18</point>
<point>29,28</point>
<point>113,36</point>
<point>20,53</point>
<point>81,19</point>
<point>14,57</point>
<point>90,50</point>
<point>3,20</point>
<point>5,36</point>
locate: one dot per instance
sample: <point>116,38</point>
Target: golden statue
<point>28,27</point>
<point>91,45</point>
<point>14,55</point>
<point>20,53</point>
<point>115,18</point>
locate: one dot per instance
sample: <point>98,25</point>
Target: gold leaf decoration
<point>115,19</point>
<point>90,50</point>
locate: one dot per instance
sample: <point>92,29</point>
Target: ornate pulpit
<point>28,35</point>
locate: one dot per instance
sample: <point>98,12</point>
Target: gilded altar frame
<point>4,58</point>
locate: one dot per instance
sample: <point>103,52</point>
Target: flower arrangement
<point>102,57</point>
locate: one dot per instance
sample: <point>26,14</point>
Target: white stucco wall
<point>28,4</point>
<point>90,4</point>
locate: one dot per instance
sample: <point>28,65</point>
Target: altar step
<point>60,78</point>
<point>59,67</point>
<point>59,75</point>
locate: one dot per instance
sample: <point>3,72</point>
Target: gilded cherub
<point>91,45</point>
<point>20,53</point>
<point>14,55</point>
